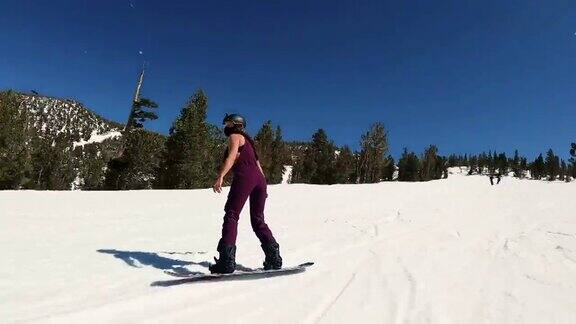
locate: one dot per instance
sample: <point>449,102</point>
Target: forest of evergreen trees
<point>549,168</point>
<point>189,157</point>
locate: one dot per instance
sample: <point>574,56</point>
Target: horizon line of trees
<point>190,156</point>
<point>551,167</point>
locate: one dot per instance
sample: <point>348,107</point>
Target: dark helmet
<point>236,119</point>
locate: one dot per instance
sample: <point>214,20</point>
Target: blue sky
<point>467,76</point>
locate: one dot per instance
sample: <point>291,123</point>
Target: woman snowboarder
<point>248,181</point>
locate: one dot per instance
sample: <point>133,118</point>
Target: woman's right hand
<point>217,187</point>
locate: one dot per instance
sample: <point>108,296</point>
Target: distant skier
<point>248,181</point>
<point>498,177</point>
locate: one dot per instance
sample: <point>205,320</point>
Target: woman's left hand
<point>217,187</point>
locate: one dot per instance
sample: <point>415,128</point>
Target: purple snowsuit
<point>248,181</point>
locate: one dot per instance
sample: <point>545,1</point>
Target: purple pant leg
<point>239,192</point>
<point>257,202</point>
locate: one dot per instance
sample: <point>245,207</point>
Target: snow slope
<point>448,251</point>
<point>97,138</point>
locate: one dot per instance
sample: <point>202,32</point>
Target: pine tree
<point>516,167</point>
<point>194,149</point>
<point>443,167</point>
<point>473,164</point>
<point>389,169</point>
<point>318,161</point>
<point>523,166</point>
<point>142,109</point>
<point>125,171</point>
<point>552,165</point>
<point>138,167</point>
<point>408,167</point>
<point>432,165</point>
<point>453,160</point>
<point>563,174</point>
<point>501,163</point>
<point>264,140</point>
<point>572,171</point>
<point>140,114</point>
<point>374,148</point>
<point>325,157</point>
<point>52,163</point>
<point>492,159</point>
<point>572,160</point>
<point>279,157</point>
<point>14,164</point>
<point>272,152</point>
<point>482,163</point>
<point>92,168</point>
<point>538,168</point>
<point>303,163</point>
<point>345,168</point>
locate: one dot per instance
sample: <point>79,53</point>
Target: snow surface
<point>447,251</point>
<point>98,138</point>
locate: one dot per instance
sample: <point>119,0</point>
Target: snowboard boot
<point>273,259</point>
<point>227,261</point>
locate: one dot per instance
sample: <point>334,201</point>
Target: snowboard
<point>236,275</point>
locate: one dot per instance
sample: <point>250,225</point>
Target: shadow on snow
<point>154,260</point>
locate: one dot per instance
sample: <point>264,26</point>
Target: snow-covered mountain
<point>51,117</point>
<point>448,251</point>
<point>70,146</point>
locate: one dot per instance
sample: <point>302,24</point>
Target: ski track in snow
<point>333,301</point>
<point>449,251</point>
